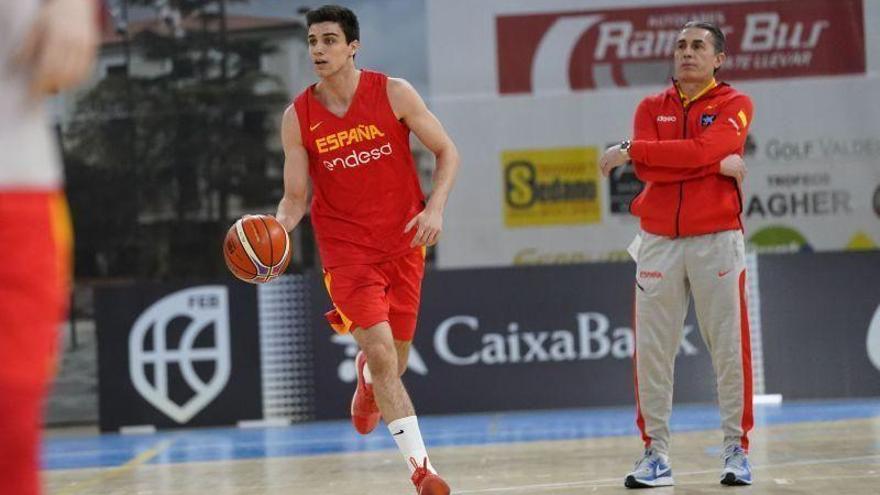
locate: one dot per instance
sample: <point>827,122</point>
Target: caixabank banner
<point>488,340</point>
<point>178,355</point>
<point>516,338</point>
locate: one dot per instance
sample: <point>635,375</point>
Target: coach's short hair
<point>718,40</point>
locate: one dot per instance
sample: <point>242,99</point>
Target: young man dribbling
<point>349,134</point>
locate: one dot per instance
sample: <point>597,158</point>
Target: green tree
<point>154,162</point>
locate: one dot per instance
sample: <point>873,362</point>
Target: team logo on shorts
<point>177,332</point>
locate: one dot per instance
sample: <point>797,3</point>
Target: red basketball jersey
<point>365,185</point>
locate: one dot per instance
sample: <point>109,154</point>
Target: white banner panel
<point>529,135</point>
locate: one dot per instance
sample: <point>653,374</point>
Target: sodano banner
<point>551,187</point>
<point>546,87</point>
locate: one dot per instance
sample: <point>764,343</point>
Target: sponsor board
<point>171,356</point>
<point>562,335</point>
<point>550,187</point>
<point>812,193</point>
<point>827,149</point>
<point>589,49</point>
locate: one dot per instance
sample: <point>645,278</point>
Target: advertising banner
<point>178,356</point>
<point>632,46</point>
<point>496,339</point>
<point>508,339</point>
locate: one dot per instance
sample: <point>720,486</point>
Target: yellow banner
<point>552,186</point>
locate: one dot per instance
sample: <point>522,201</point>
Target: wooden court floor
<point>821,457</point>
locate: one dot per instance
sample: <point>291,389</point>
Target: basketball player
<point>45,46</point>
<point>686,148</point>
<point>350,134</point>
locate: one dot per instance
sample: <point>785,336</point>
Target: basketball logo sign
<point>874,339</point>
<point>183,334</point>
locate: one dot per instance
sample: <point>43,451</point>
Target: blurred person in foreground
<point>349,134</point>
<point>45,47</point>
<point>687,148</point>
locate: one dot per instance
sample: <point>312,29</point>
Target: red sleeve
<point>645,129</point>
<point>724,138</point>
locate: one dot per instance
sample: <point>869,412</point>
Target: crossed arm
<point>712,152</point>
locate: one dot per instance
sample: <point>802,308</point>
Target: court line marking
<point>137,461</point>
<point>618,481</point>
<point>497,437</point>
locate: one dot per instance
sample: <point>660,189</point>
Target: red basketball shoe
<point>427,483</point>
<point>364,411</point>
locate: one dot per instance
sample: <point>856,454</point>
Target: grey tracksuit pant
<point>712,268</point>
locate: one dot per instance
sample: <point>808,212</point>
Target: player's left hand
<point>611,159</point>
<point>428,224</point>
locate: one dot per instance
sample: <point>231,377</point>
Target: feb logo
<point>873,343</point>
<point>203,315</point>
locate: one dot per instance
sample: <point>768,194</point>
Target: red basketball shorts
<point>36,239</point>
<point>20,421</point>
<point>365,295</point>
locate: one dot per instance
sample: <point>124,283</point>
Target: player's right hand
<point>59,48</point>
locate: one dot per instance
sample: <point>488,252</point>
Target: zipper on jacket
<point>681,183</point>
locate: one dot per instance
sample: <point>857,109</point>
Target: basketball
<point>256,248</point>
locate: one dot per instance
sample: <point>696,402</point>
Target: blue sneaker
<point>650,471</point>
<point>736,467</point>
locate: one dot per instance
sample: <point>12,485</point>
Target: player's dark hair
<point>346,19</point>
<point>718,40</point>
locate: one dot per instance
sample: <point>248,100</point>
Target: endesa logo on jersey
<point>357,158</point>
<point>582,50</point>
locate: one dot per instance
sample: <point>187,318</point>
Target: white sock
<point>408,437</point>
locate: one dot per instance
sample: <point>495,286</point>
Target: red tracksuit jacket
<point>677,150</point>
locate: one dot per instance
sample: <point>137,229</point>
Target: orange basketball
<point>256,248</point>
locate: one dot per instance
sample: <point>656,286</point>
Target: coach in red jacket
<point>686,148</point>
